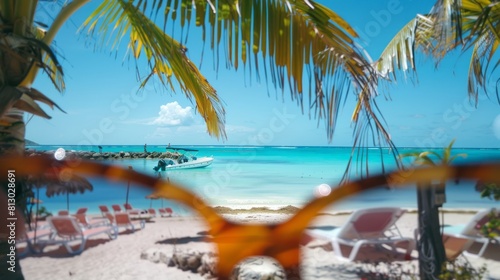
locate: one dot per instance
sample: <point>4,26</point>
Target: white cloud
<point>172,114</point>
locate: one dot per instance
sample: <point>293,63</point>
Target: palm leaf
<point>481,23</point>
<point>27,104</point>
<point>38,96</point>
<point>470,24</point>
<point>286,37</point>
<point>369,131</point>
<point>50,63</point>
<point>399,54</point>
<point>433,158</point>
<point>8,97</point>
<point>446,16</point>
<point>116,19</point>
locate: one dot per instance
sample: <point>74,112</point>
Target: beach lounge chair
<point>137,213</point>
<point>104,210</point>
<point>162,212</point>
<point>454,246</point>
<point>132,210</point>
<point>31,238</point>
<point>82,210</point>
<point>169,211</point>
<point>63,213</point>
<point>67,230</point>
<point>123,220</point>
<point>116,208</point>
<point>166,212</point>
<point>369,227</point>
<point>84,221</point>
<point>472,232</point>
<point>152,212</point>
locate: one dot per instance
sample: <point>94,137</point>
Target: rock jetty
<point>90,155</point>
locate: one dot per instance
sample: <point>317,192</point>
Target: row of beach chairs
<point>72,230</point>
<point>137,213</point>
<point>377,227</point>
<point>364,227</point>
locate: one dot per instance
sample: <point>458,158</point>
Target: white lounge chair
<point>152,212</point>
<point>67,230</point>
<point>31,239</point>
<point>137,213</point>
<point>472,232</point>
<point>166,212</point>
<point>368,227</point>
<point>122,219</point>
<point>86,222</point>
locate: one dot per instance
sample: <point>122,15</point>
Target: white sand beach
<point>121,258</point>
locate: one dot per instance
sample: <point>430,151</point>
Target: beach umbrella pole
<point>128,186</point>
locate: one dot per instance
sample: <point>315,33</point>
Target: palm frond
<point>50,63</point>
<point>27,104</point>
<point>369,131</point>
<point>399,54</point>
<point>286,41</point>
<point>8,97</point>
<point>23,99</point>
<point>432,158</point>
<point>38,96</point>
<point>482,25</point>
<point>446,16</point>
<point>166,57</point>
<point>286,36</point>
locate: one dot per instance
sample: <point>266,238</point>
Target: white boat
<point>181,158</point>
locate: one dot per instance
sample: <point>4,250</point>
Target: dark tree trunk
<point>431,253</point>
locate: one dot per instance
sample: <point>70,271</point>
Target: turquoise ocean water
<point>248,176</point>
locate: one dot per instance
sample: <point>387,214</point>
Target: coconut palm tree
<point>280,38</point>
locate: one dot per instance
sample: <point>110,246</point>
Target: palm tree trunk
<point>12,132</point>
<point>431,253</point>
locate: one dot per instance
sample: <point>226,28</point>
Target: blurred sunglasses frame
<point>236,242</point>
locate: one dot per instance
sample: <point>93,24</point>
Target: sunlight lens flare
<point>60,154</point>
<point>322,190</point>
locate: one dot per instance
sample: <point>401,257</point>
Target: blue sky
<point>103,108</point>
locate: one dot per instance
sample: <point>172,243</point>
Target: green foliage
<point>492,228</point>
<point>489,190</point>
<point>432,158</point>
<point>43,212</point>
<point>461,269</point>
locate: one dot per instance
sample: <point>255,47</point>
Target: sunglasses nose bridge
<point>239,242</point>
